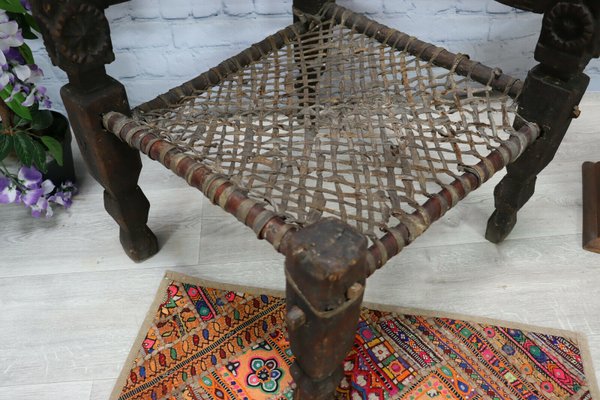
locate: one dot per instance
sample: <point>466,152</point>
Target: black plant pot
<point>61,131</point>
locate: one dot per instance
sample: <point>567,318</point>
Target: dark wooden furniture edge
<point>591,206</point>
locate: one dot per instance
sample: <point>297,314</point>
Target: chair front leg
<point>325,272</point>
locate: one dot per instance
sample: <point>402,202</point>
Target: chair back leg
<point>570,38</point>
<point>77,37</point>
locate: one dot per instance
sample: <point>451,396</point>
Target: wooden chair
<point>338,140</point>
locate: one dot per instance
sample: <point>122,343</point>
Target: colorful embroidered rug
<point>208,341</point>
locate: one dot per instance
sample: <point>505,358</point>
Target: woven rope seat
<point>341,117</point>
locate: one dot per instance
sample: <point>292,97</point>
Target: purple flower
<point>33,97</point>
<point>8,191</point>
<point>10,34</point>
<point>14,70</point>
<point>14,54</point>
<point>6,78</point>
<point>48,187</point>
<point>26,5</point>
<point>30,177</point>
<point>69,186</point>
<point>42,206</point>
<point>64,195</point>
<point>23,72</point>
<point>29,189</point>
<point>32,196</point>
<point>62,198</point>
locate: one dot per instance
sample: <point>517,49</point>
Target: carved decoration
<point>570,26</point>
<point>76,33</point>
<point>81,33</point>
<point>570,36</point>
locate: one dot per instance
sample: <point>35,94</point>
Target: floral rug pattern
<point>205,343</point>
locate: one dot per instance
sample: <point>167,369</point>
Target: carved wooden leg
<point>325,271</point>
<point>112,163</point>
<point>551,104</point>
<point>77,38</point>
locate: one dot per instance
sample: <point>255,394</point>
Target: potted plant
<point>37,138</point>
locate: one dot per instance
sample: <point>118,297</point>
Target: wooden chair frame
<point>326,263</point>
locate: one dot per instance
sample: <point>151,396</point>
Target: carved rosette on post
<point>569,27</point>
<point>569,38</point>
<point>76,33</point>
<point>570,33</point>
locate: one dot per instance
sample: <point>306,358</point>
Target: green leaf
<point>26,53</point>
<point>6,145</point>
<point>41,119</point>
<point>54,148</point>
<point>24,148</point>
<point>16,103</point>
<point>173,353</point>
<point>28,33</point>
<point>12,6</point>
<point>19,122</point>
<point>39,156</point>
<point>24,21</point>
<point>31,22</point>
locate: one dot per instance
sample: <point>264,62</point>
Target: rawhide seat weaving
<point>328,121</point>
<point>337,139</point>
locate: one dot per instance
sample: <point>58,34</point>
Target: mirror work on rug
<point>205,343</point>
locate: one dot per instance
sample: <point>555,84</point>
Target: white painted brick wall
<point>161,43</point>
